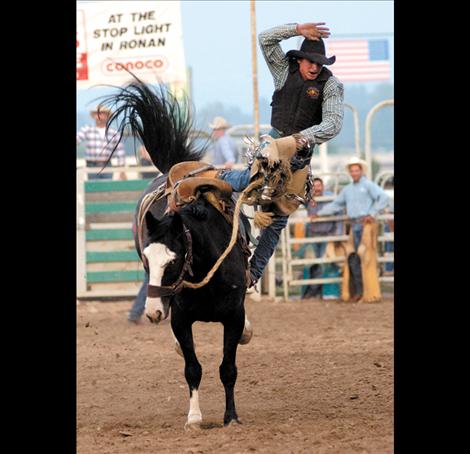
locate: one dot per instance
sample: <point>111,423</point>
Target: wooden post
<point>81,251</point>
<point>289,276</point>
<point>272,277</point>
<point>254,69</point>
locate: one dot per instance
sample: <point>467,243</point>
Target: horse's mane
<point>162,122</point>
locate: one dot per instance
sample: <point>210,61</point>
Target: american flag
<point>359,60</point>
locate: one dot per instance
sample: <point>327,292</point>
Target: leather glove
<point>269,151</point>
<point>300,140</point>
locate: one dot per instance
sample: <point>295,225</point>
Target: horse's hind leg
<point>228,370</point>
<point>192,370</point>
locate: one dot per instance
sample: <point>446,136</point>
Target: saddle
<point>188,180</point>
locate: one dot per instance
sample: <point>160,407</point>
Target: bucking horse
<point>183,225</point>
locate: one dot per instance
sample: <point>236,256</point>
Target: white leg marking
<point>158,256</point>
<point>194,415</point>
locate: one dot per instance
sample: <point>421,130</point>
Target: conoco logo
<point>142,64</point>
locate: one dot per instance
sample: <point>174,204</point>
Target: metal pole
<point>254,69</point>
<point>370,115</point>
<point>356,128</point>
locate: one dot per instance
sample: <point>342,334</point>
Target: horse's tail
<point>158,119</point>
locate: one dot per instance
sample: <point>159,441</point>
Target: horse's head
<point>164,252</point>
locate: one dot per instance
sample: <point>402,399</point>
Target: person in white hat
<point>224,151</point>
<point>363,200</point>
<point>98,145</point>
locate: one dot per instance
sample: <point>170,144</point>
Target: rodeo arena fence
<point>108,265</point>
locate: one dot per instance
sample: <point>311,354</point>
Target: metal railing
<point>357,141</point>
<point>288,262</point>
<point>383,177</point>
<point>367,147</point>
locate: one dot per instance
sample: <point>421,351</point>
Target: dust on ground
<point>317,377</point>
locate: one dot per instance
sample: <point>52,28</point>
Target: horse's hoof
<point>247,333</point>
<point>232,422</point>
<point>194,424</point>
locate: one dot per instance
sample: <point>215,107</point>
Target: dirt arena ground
<point>317,377</point>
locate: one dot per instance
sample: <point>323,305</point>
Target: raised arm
<point>274,55</point>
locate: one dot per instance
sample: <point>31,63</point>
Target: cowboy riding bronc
<point>307,109</point>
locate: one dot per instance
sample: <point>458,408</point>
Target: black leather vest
<point>298,104</point>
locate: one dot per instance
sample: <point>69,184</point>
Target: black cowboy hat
<point>313,51</point>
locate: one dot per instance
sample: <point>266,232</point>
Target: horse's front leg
<point>192,369</point>
<point>233,328</point>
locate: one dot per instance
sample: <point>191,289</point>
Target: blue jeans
<point>319,249</point>
<point>389,247</point>
<point>269,237</point>
<point>139,304</point>
<point>98,176</point>
<point>357,229</point>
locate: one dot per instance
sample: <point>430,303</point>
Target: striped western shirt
<point>99,147</point>
<point>333,92</point>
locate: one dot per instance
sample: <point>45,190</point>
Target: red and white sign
<point>82,63</point>
<point>143,37</point>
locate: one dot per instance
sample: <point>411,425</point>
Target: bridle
<point>157,291</point>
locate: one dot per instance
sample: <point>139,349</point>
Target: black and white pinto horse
<point>163,125</point>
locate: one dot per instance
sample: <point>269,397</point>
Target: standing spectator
<point>319,228</point>
<point>363,200</point>
<point>315,229</point>
<point>224,151</point>
<point>99,145</point>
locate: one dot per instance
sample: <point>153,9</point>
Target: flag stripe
<point>360,59</point>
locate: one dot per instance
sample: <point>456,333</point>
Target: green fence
<point>108,264</point>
